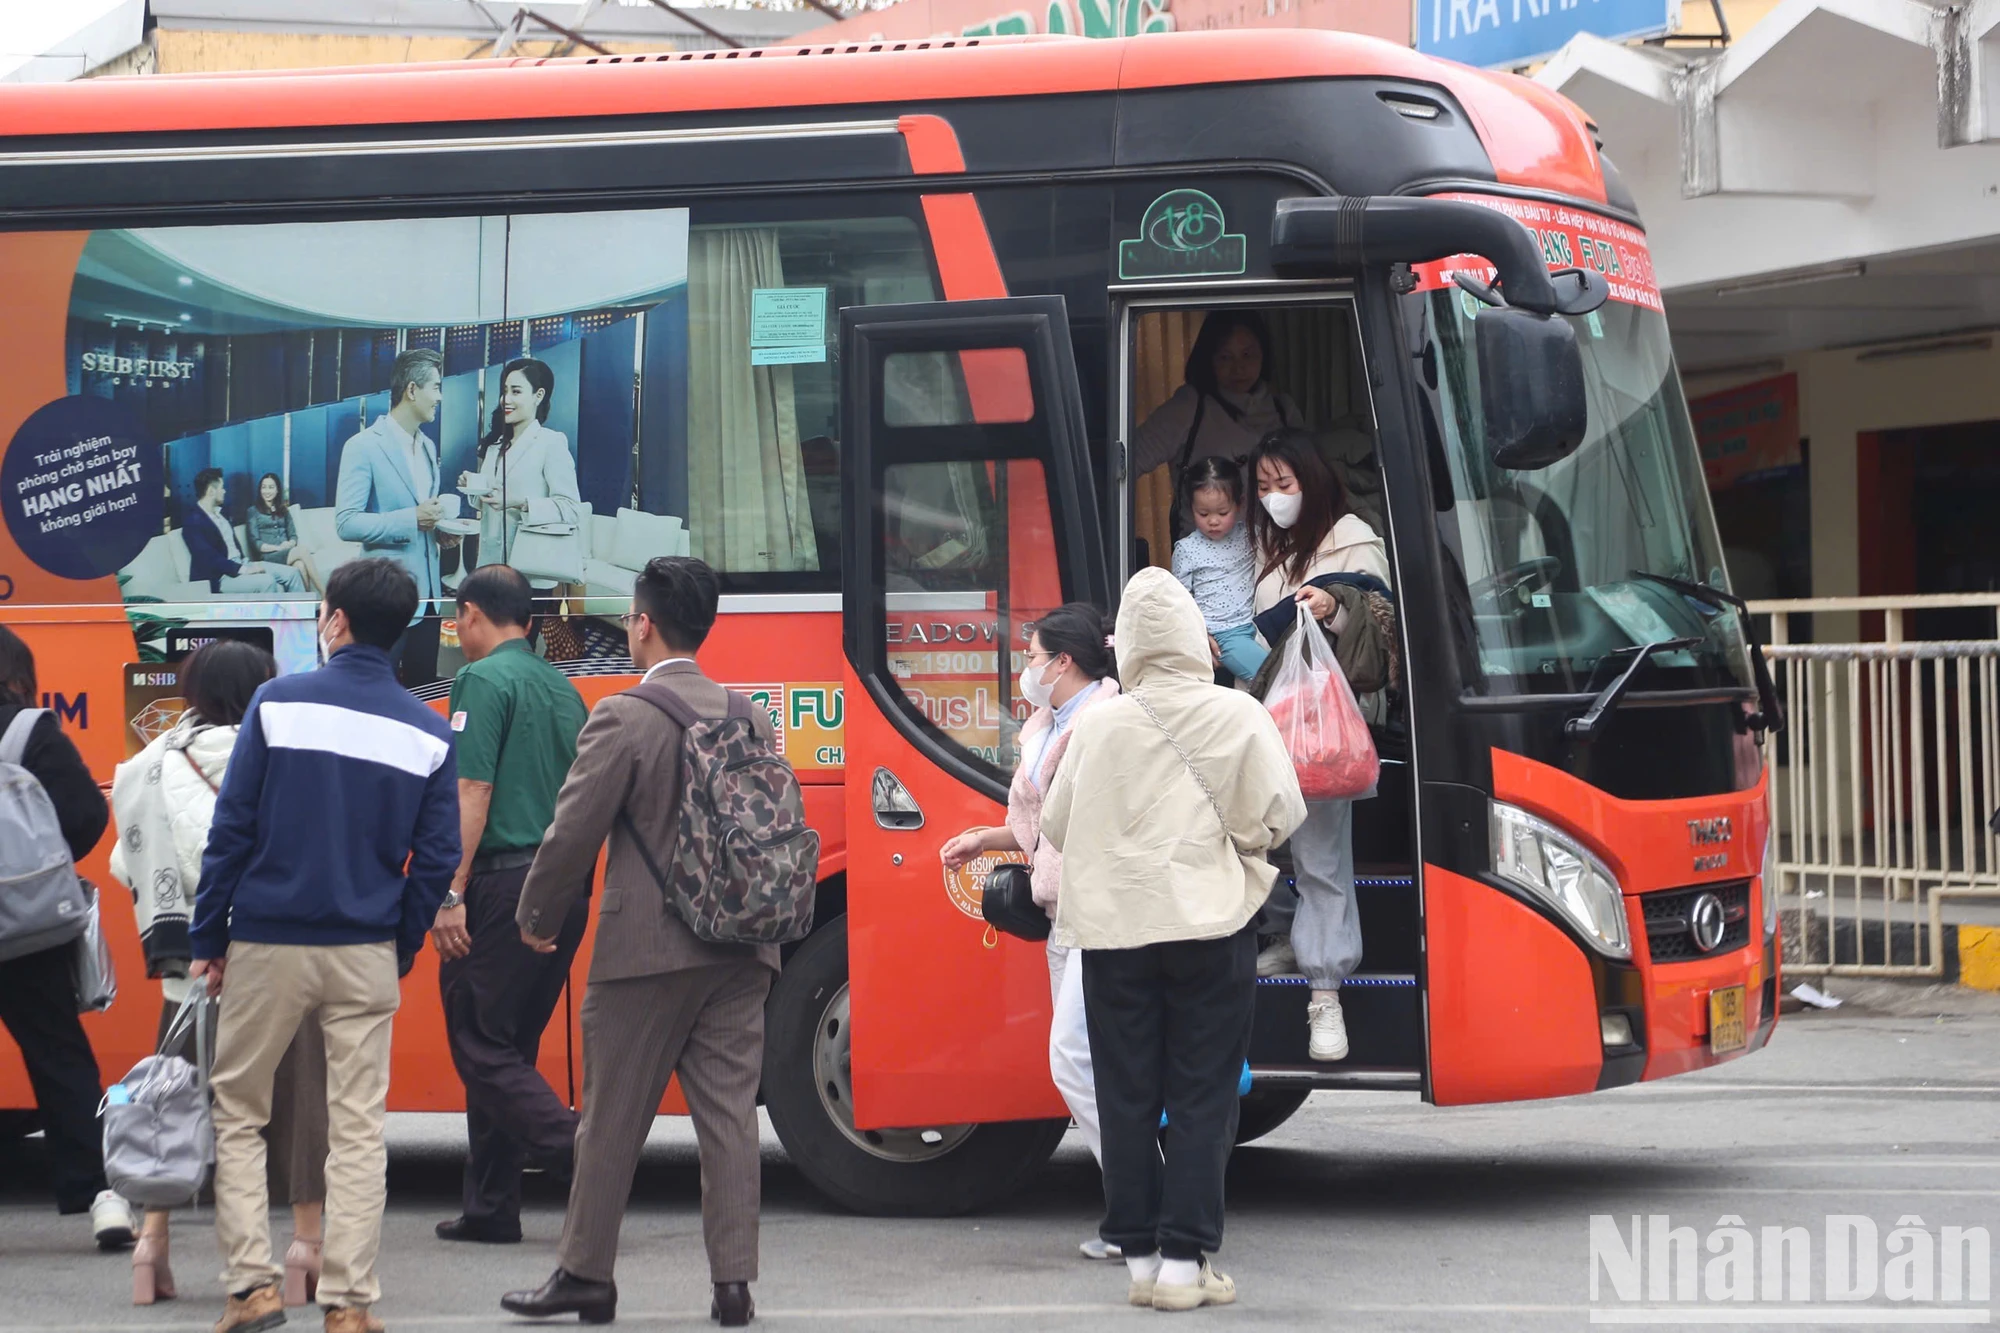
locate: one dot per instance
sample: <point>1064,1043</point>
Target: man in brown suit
<point>660,1000</point>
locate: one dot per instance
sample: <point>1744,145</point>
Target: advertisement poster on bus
<point>247,407</point>
<point>202,423</point>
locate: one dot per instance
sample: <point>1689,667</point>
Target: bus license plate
<point>1725,1020</point>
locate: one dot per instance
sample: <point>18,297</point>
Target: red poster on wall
<point>1750,429</point>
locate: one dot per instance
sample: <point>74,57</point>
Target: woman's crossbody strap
<point>201,773</point>
<point>1193,772</point>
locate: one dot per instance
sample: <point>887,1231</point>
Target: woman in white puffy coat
<point>163,800</point>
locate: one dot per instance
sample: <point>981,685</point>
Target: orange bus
<point>872,329</point>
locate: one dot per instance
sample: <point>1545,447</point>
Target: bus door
<point>1305,351</point>
<point>968,512</point>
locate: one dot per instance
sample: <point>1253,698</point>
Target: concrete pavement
<point>1365,1211</point>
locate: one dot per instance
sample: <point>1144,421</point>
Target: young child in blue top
<point>1217,564</point>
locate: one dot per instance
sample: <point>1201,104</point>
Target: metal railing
<point>1882,785</point>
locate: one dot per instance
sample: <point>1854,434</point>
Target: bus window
<point>760,507</point>
<point>969,548</point>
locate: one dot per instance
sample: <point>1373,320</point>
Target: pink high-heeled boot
<point>152,1279</point>
<point>301,1272</point>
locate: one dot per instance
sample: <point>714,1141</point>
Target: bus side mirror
<point>1530,387</point>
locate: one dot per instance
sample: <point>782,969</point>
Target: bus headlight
<point>1553,866</point>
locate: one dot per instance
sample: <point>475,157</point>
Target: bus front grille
<point>1672,923</point>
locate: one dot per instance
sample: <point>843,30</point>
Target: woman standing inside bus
<point>527,476</point>
<point>1069,670</point>
<point>1302,532</point>
<point>1226,402</point>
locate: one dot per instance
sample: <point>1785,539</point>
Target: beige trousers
<point>267,991</point>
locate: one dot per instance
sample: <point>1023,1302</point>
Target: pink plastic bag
<point>1321,723</point>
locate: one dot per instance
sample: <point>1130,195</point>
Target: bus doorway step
<point>1343,1076</point>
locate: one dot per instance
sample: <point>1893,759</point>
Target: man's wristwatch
<point>451,900</point>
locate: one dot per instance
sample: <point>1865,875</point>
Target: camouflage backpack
<point>744,862</point>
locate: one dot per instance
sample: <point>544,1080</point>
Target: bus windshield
<point>1552,601</point>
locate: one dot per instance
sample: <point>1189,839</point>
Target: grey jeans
<point>1320,917</point>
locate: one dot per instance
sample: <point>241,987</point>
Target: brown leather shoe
<point>351,1319</point>
<point>255,1310</point>
<point>732,1307</point>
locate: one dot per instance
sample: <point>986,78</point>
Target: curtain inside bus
<point>747,509</point>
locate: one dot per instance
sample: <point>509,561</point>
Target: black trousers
<point>38,1006</point>
<point>1169,1030</point>
<point>497,1000</point>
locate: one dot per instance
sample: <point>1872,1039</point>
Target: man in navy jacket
<point>334,841</point>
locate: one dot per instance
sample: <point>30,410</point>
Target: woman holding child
<point>1302,532</point>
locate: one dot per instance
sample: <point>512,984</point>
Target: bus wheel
<point>930,1171</point>
<point>1264,1109</point>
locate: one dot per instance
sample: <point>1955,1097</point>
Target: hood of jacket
<point>1159,636</point>
<point>1150,852</point>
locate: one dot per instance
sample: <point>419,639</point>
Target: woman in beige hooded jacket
<point>1164,808</point>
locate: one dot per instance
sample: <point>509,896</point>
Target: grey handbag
<point>42,904</point>
<point>159,1138</point>
<point>90,962</point>
<point>548,551</point>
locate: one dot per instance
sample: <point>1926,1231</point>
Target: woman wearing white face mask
<point>1070,668</point>
<point>1302,531</point>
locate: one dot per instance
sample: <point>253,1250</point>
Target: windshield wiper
<point>1583,728</point>
<point>1771,714</point>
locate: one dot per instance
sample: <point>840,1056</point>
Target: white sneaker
<point>1209,1288</point>
<point>1278,961</point>
<point>1329,1029</point>
<point>111,1221</point>
<point>1098,1248</point>
<point>1144,1273</point>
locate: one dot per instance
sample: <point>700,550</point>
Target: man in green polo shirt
<point>515,720</point>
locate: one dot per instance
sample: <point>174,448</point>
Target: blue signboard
<point>1505,33</point>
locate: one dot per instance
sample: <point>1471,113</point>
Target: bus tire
<point>1264,1109</point>
<point>942,1171</point>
